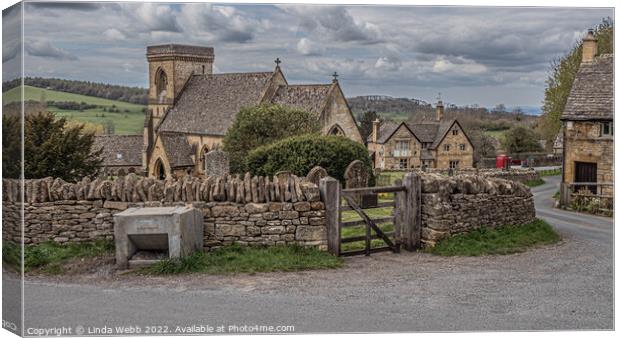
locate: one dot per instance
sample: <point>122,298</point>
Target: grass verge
<point>49,257</point>
<point>499,241</point>
<point>534,183</point>
<point>237,259</point>
<point>550,172</point>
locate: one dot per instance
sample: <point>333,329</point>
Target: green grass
<point>125,122</point>
<point>499,241</point>
<point>360,230</point>
<point>552,172</point>
<point>556,196</point>
<point>50,256</point>
<point>236,259</point>
<point>534,183</point>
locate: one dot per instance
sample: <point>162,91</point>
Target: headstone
<point>216,163</point>
<point>315,174</point>
<point>356,175</point>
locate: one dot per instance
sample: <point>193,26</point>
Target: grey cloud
<point>77,6</point>
<point>47,50</point>
<point>10,49</point>
<point>335,23</point>
<point>220,23</point>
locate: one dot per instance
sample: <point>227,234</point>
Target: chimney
<point>439,111</point>
<point>375,130</point>
<point>589,47</point>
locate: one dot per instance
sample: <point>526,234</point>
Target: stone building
<point>190,108</point>
<point>121,153</point>
<point>438,144</point>
<point>588,142</point>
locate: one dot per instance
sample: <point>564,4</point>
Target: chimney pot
<point>375,130</point>
<point>439,111</point>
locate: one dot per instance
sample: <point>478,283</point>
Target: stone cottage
<point>588,121</point>
<point>190,108</point>
<point>435,144</point>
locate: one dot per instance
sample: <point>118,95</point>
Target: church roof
<point>178,150</point>
<point>208,104</point>
<point>311,98</point>
<point>592,94</point>
<point>119,150</point>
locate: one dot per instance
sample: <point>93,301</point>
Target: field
<point>127,118</point>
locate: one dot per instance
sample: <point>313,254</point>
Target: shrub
<point>260,125</point>
<point>299,154</point>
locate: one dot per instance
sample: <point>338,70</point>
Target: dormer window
<point>607,129</point>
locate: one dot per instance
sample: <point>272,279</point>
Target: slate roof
<point>429,132</point>
<point>178,150</point>
<point>592,94</point>
<point>119,150</point>
<point>208,103</point>
<point>311,98</point>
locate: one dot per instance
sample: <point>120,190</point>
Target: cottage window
<point>462,147</point>
<point>446,147</point>
<point>607,129</point>
<point>454,164</point>
<point>402,163</point>
<point>455,132</point>
<point>402,149</point>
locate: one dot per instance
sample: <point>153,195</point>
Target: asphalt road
<point>560,287</point>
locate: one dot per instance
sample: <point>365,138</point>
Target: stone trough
<point>145,235</point>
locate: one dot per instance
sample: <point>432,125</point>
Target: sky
<point>471,55</point>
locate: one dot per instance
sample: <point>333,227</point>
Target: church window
<point>161,83</point>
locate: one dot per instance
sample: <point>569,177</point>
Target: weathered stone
<point>254,208</point>
<point>316,174</point>
<point>310,233</point>
<point>302,206</point>
<point>230,230</point>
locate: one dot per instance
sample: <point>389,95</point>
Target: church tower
<point>170,66</point>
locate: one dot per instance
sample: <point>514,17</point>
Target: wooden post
<point>330,194</point>
<point>400,202</point>
<point>565,192</point>
<point>412,212</point>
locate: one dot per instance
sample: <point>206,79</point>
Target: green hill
<point>127,118</point>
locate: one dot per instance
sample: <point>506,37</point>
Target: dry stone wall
<point>452,205</point>
<point>248,211</point>
<point>516,175</point>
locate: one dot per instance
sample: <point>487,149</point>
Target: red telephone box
<point>502,161</point>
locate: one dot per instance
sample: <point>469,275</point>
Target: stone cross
<point>278,62</point>
<point>335,75</point>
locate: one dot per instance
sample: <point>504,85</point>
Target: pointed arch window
<point>161,83</point>
<point>336,130</point>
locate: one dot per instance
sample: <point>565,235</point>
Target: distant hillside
<point>474,116</point>
<point>134,95</point>
<point>117,117</point>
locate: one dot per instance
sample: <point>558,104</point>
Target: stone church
<point>190,108</point>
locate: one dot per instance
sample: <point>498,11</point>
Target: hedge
<point>299,154</point>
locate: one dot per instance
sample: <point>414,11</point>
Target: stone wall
<point>452,205</point>
<point>249,211</point>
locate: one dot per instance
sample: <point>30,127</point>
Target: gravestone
<point>216,163</point>
<point>316,174</point>
<point>356,176</point>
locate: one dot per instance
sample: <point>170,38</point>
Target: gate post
<point>330,194</point>
<point>412,212</point>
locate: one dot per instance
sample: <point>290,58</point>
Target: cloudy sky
<point>472,55</point>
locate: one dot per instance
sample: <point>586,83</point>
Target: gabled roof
<point>119,150</point>
<point>426,132</point>
<point>208,104</point>
<point>311,98</point>
<point>386,129</point>
<point>178,150</point>
<point>442,129</point>
<point>592,94</point>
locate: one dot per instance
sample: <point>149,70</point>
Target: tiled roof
<point>443,128</point>
<point>311,98</point>
<point>592,94</point>
<point>386,128</point>
<point>426,132</point>
<point>209,103</point>
<point>426,155</point>
<point>178,150</point>
<point>119,150</point>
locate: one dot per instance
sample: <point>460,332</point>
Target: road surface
<point>566,286</point>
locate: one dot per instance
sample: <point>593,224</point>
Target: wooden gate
<point>356,229</point>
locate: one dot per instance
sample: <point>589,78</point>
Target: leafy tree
<point>484,145</point>
<point>521,140</point>
<point>53,149</point>
<point>365,119</point>
<point>11,145</point>
<point>561,77</point>
<point>264,124</point>
<point>299,154</point>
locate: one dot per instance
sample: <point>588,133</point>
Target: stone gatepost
<point>329,188</point>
